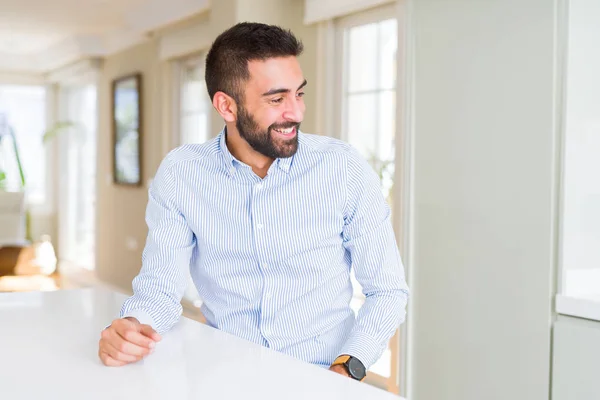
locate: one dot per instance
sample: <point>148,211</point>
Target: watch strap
<point>341,360</point>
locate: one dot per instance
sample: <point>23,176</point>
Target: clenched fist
<point>126,341</point>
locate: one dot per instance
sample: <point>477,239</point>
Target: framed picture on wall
<point>127,130</point>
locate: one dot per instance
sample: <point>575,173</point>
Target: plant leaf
<point>56,130</point>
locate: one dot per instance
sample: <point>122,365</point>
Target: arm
<point>159,287</point>
<point>370,240</point>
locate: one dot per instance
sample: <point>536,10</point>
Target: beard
<point>265,142</point>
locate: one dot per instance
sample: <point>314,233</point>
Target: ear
<point>225,106</point>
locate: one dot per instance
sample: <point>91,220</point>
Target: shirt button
<point>259,185</point>
<point>259,226</point>
<point>267,295</point>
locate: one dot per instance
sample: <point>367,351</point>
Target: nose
<point>294,111</point>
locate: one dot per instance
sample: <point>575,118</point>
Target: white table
<point>49,344</point>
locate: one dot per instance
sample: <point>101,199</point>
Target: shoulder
<point>186,153</point>
<point>326,145</point>
<point>336,150</point>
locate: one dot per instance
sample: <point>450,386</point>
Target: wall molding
<point>322,10</point>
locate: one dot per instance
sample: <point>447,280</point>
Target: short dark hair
<point>228,57</point>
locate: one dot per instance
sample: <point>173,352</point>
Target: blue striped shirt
<point>271,257</point>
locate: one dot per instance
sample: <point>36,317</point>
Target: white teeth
<point>285,131</point>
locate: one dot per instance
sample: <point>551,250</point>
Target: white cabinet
<point>576,359</point>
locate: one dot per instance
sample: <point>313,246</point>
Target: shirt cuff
<point>362,346</point>
<point>142,316</point>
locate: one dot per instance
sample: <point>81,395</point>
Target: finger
<point>139,339</point>
<point>114,353</point>
<point>109,361</point>
<point>124,346</point>
<point>147,330</point>
<point>123,325</point>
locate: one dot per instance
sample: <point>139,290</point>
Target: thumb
<point>147,330</point>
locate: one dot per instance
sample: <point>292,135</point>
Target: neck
<point>241,150</point>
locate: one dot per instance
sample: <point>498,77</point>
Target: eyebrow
<point>282,90</point>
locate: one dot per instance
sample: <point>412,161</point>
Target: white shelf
<point>581,294</point>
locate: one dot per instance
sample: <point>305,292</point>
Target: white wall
<point>484,195</point>
<point>576,361</point>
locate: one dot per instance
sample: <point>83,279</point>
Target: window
<point>193,125</point>
<point>369,93</point>
<point>195,105</point>
<point>77,166</point>
<point>24,109</point>
<point>367,47</point>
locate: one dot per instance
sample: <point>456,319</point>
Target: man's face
<point>272,109</point>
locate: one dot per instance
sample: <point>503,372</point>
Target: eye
<point>277,100</point>
<point>301,94</point>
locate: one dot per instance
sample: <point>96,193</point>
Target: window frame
<point>341,25</point>
<point>178,79</point>
<point>333,32</point>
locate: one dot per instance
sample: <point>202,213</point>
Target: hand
<point>126,341</point>
<point>340,369</point>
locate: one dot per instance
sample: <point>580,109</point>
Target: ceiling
<point>39,35</point>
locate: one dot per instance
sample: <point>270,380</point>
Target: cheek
<point>270,117</point>
<point>261,119</point>
<point>302,106</point>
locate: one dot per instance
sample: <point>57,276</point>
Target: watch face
<point>356,369</point>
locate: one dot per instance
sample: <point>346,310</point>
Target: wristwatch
<point>354,367</point>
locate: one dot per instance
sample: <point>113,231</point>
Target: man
<point>269,222</point>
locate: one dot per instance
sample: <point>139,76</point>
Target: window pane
<point>386,139</point>
<point>193,128</point>
<point>194,103</point>
<point>362,58</point>
<point>388,46</point>
<point>387,124</point>
<point>361,123</point>
<point>24,108</point>
<point>194,96</point>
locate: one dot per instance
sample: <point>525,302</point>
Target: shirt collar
<point>285,163</point>
<point>228,158</point>
<point>230,161</point>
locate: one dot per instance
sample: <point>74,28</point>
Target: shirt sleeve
<point>369,238</point>
<point>163,278</point>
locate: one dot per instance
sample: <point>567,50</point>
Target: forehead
<point>280,72</point>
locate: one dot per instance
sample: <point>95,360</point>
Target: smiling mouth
<point>287,132</point>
